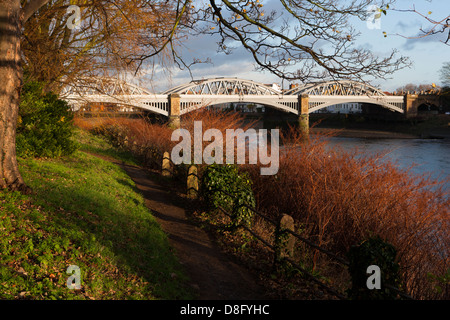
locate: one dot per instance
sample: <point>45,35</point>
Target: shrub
<point>377,252</point>
<point>44,127</point>
<point>238,196</point>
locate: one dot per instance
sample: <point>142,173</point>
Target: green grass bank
<point>84,211</point>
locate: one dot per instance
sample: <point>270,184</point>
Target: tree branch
<point>31,7</point>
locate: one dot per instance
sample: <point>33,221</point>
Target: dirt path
<point>213,273</point>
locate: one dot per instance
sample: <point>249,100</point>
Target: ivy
<point>224,186</point>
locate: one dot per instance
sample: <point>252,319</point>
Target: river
<point>431,156</point>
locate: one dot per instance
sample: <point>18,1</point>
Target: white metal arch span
<point>393,103</point>
<point>115,91</point>
<point>328,93</point>
<point>337,88</point>
<point>223,86</point>
<point>193,102</point>
<point>85,86</point>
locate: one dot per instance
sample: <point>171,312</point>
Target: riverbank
<point>84,212</point>
<point>360,126</point>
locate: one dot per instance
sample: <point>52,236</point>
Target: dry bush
<point>215,119</point>
<point>342,197</point>
<point>152,140</point>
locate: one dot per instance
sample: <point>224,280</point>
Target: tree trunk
<point>10,84</point>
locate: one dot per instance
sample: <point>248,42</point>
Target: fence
<point>285,235</point>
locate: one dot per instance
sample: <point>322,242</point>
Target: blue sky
<point>427,54</point>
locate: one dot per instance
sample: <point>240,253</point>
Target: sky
<point>426,54</point>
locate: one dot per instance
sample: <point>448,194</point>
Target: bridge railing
<point>282,246</point>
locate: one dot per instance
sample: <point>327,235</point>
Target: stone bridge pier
<point>174,110</point>
<point>413,101</point>
<point>303,117</point>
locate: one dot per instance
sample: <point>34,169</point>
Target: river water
<point>430,156</point>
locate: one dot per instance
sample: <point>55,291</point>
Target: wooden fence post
<point>192,182</point>
<point>284,241</point>
<point>166,165</point>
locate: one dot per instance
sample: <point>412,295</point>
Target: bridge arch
<point>189,104</point>
<point>208,92</point>
<point>395,107</point>
<point>337,88</point>
<point>427,107</point>
<point>112,91</point>
<point>223,86</point>
<point>328,93</point>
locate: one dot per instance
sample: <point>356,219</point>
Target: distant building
<point>247,107</point>
<point>344,108</point>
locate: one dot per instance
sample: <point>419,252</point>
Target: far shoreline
<point>363,133</point>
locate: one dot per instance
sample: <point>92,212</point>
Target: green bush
<point>373,251</point>
<point>44,127</point>
<point>238,197</point>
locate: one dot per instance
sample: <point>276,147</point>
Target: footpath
<point>213,274</point>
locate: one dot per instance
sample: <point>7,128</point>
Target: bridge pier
<point>413,101</point>
<point>174,111</point>
<point>411,105</point>
<point>303,117</point>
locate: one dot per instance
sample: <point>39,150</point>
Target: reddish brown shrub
<point>342,197</point>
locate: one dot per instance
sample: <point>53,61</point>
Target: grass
<point>96,144</point>
<point>84,211</point>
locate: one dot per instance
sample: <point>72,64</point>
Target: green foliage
<point>440,283</point>
<point>86,212</point>
<point>373,251</point>
<point>238,196</point>
<point>44,127</point>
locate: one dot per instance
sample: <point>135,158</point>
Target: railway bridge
<point>197,94</point>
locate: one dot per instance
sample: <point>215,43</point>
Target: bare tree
<point>445,74</point>
<point>435,26</point>
<point>301,40</point>
<point>421,88</point>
